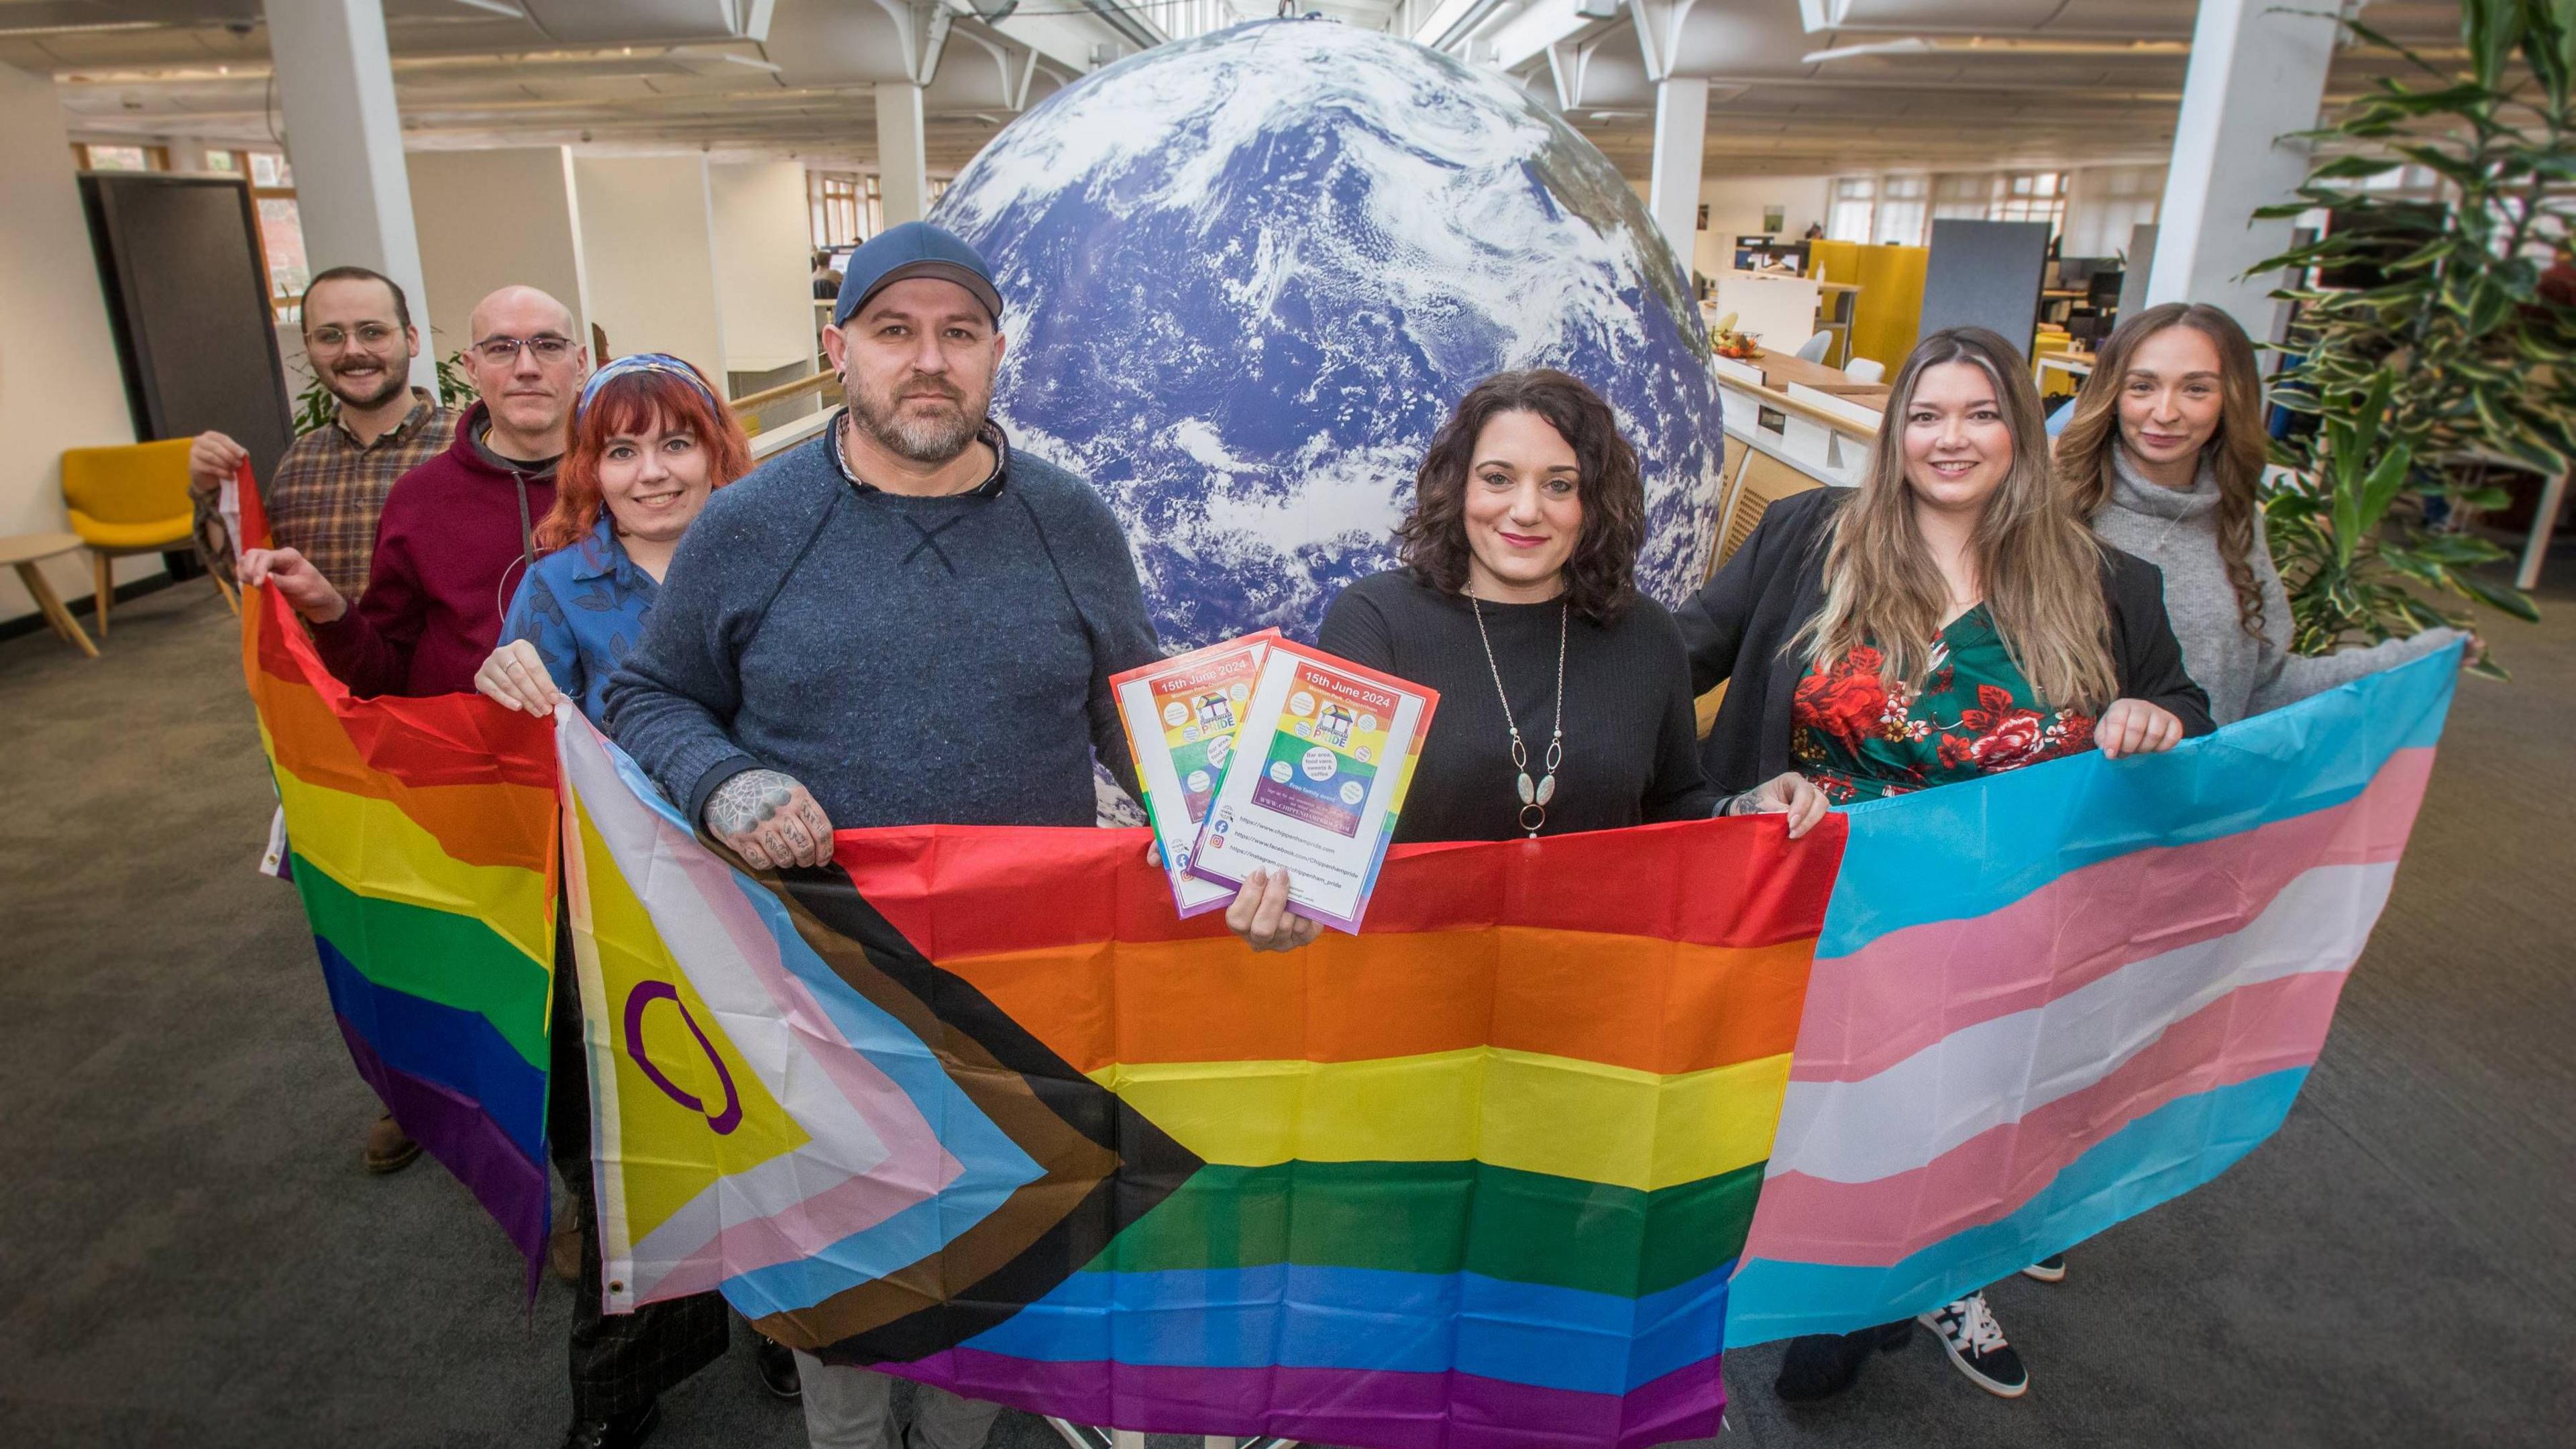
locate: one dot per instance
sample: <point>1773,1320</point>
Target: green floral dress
<point>1860,737</point>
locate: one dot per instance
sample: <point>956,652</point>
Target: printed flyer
<point>1326,751</point>
<point>1181,717</point>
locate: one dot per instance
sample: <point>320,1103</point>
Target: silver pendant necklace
<point>1534,797</point>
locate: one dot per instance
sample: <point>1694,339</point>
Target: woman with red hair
<point>650,442</point>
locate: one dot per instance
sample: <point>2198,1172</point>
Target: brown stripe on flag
<point>1102,1166</point>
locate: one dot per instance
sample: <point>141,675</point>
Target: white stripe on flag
<point>1991,1073</point>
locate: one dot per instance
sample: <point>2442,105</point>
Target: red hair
<point>628,405</point>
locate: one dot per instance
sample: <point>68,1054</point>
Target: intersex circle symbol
<point>645,994</point>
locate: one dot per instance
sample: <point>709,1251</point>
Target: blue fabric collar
<point>602,556</point>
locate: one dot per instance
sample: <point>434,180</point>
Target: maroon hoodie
<point>450,550</point>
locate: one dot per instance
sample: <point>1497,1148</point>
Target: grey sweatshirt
<point>913,661</point>
<point>2178,533</point>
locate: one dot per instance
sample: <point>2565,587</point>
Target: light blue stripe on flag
<point>1973,848</point>
<point>2160,1156</point>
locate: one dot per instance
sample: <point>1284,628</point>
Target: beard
<point>937,438</point>
<point>393,381</point>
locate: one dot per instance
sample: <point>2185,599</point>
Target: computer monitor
<point>2078,271</point>
<point>2104,288</point>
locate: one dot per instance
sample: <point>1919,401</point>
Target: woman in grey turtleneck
<point>2164,450</point>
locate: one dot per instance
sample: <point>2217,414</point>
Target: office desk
<point>2078,364</point>
<point>1779,369</point>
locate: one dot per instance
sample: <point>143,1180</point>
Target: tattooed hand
<point>769,820</point>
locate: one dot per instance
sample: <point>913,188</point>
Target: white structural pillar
<point>1681,151</point>
<point>335,83</point>
<point>2257,73</point>
<point>903,159</point>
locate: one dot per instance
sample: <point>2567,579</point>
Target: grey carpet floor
<point>190,1255</point>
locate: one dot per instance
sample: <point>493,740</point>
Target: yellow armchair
<point>128,499</point>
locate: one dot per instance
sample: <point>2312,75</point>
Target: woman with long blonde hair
<point>2164,452</point>
<point>1951,617</point>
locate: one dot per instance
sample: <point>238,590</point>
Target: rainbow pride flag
<point>976,1107</point>
<point>421,837</point>
<point>2049,1000</point>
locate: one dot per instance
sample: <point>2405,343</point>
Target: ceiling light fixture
<point>2003,45</point>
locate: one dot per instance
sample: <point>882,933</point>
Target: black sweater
<point>1739,626</point>
<point>1629,755</point>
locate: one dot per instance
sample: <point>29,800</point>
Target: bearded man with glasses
<point>331,485</point>
<point>457,532</point>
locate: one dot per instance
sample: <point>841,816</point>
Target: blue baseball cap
<point>914,249</point>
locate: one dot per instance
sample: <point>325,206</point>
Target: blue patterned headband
<point>635,362</point>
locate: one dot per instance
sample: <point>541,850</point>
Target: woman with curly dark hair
<point>1565,698</point>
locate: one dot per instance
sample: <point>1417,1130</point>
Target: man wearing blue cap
<point>905,621</point>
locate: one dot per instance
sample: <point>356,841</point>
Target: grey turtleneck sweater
<point>2178,532</point>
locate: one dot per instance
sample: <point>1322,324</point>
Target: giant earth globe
<point>1247,275</point>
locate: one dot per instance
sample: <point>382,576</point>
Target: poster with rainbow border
<point>1182,716</point>
<point>1320,767</point>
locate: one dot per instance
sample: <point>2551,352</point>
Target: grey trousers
<point>847,1408</point>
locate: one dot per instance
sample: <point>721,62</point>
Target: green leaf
<point>2384,42</point>
<point>2380,488</point>
<point>2500,597</point>
<point>2443,163</point>
<point>2346,168</point>
<point>2487,498</point>
<point>2492,29</point>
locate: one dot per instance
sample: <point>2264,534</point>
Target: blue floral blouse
<point>583,607</point>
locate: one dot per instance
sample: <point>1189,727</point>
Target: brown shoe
<point>389,1148</point>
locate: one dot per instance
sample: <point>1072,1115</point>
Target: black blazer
<point>1738,627</point>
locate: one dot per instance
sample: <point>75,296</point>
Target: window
<point>121,158</point>
<point>2105,206</point>
<point>1962,197</point>
<point>1901,204</point>
<point>281,228</point>
<point>846,208</point>
<point>2030,196</point>
<point>281,222</point>
<point>839,209</point>
<point>1848,218</point>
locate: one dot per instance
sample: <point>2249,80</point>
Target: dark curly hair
<point>1601,573</point>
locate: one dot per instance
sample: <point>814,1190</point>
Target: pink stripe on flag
<point>1910,988</point>
<point>916,1165</point>
<point>2262,1028</point>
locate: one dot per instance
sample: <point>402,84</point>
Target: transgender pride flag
<point>2049,1000</point>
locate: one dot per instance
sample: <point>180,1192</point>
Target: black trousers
<point>620,1362</point>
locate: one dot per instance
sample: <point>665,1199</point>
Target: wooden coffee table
<point>24,551</point>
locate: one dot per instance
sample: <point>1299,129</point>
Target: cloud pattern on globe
<point>1248,275</point>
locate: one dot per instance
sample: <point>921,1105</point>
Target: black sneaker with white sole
<point>1976,1344</point>
<point>2051,1269</point>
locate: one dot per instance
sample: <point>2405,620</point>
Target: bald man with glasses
<point>458,531</point>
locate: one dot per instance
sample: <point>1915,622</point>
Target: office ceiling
<point>1799,86</point>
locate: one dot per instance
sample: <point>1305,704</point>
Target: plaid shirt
<point>329,489</point>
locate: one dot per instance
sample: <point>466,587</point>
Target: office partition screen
<point>1985,274</point>
<point>179,259</point>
